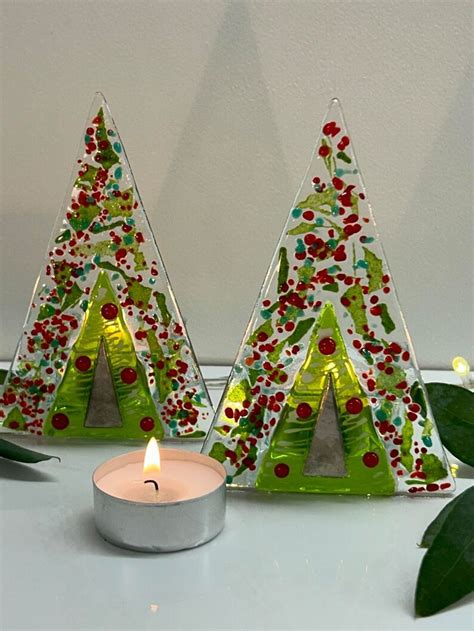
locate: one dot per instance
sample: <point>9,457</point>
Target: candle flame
<point>151,463</point>
<point>461,366</point>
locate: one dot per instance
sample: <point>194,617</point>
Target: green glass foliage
<point>368,468</point>
<point>137,410</point>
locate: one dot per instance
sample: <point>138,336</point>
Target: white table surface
<point>281,562</point>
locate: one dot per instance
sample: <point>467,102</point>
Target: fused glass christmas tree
<point>325,395</point>
<point>104,351</point>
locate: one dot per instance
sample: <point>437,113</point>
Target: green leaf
<point>433,529</point>
<point>274,355</point>
<point>253,374</point>
<point>88,176</point>
<point>447,570</point>
<point>374,270</point>
<point>15,419</point>
<point>21,454</point>
<point>107,156</point>
<point>97,228</point>
<point>266,328</point>
<point>302,228</point>
<point>239,392</point>
<point>331,287</point>
<point>283,267</point>
<point>112,268</point>
<point>356,302</point>
<point>390,381</point>
<point>427,429</point>
<point>118,206</point>
<point>267,313</point>
<point>83,217</point>
<point>72,298</point>
<point>306,273</point>
<point>63,236</point>
<point>433,467</point>
<point>62,272</point>
<point>453,411</point>
<point>196,434</point>
<point>406,457</point>
<point>387,322</point>
<point>138,293</point>
<point>3,375</point>
<point>218,452</point>
<point>343,156</point>
<point>163,382</point>
<point>138,257</point>
<point>301,329</point>
<point>46,311</point>
<point>316,200</point>
<point>165,314</point>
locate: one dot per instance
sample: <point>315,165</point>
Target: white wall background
<point>219,104</point>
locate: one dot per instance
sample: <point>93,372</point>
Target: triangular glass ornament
<point>104,287</point>
<point>327,319</point>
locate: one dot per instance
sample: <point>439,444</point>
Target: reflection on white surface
<point>281,562</point>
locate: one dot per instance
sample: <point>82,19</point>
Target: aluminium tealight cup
<point>164,526</point>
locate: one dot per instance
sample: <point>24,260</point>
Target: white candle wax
<point>179,479</point>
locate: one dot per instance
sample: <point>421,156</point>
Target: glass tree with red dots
<point>325,395</point>
<point>104,352</point>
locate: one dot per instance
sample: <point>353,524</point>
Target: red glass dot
<point>109,311</point>
<point>147,424</point>
<point>327,346</point>
<point>128,375</point>
<point>60,421</point>
<point>83,363</point>
<point>354,406</point>
<point>14,425</point>
<point>370,459</point>
<point>281,470</point>
<point>304,410</point>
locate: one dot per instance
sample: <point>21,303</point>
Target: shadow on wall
<point>226,194</point>
<point>455,248</point>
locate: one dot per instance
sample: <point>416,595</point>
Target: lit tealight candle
<point>159,500</point>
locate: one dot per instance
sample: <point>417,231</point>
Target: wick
<point>154,482</point>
